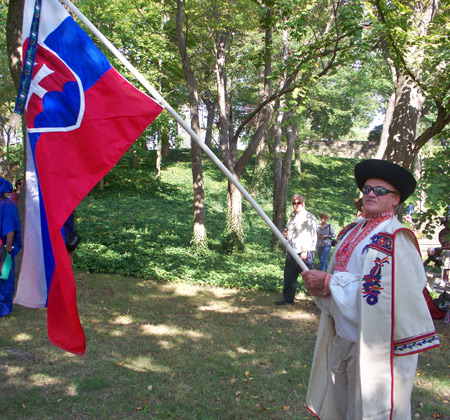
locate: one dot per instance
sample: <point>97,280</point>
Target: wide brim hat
<point>398,177</point>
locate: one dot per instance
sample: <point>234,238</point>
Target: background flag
<point>409,214</point>
<point>81,116</point>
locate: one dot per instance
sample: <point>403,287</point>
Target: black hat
<point>390,172</point>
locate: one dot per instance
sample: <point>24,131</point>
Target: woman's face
<point>324,220</point>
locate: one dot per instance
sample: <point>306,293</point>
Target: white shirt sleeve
<point>345,289</point>
<point>343,305</point>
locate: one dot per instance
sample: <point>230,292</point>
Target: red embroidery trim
<point>355,237</point>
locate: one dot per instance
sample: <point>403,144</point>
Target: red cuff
<point>326,289</point>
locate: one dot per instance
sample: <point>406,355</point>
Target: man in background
<point>434,256</point>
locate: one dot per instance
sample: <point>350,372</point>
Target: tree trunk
<point>285,168</point>
<point>405,119</point>
<point>159,138</point>
<point>234,236</point>
<point>291,136</point>
<point>211,109</point>
<point>229,139</point>
<point>298,161</point>
<point>278,217</point>
<point>197,169</point>
<point>14,39</point>
<point>281,169</point>
<point>261,162</point>
<point>135,160</point>
<point>386,124</point>
<point>158,154</point>
<point>403,143</point>
<point>234,239</point>
<point>165,149</point>
<point>14,51</point>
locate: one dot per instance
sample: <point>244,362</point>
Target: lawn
<point>164,351</point>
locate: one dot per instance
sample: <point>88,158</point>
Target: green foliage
<point>15,155</point>
<point>435,187</point>
<point>418,45</point>
<point>142,227</point>
<point>342,100</point>
<point>7,90</point>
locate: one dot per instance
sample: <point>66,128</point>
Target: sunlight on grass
<point>164,330</point>
<point>182,289</point>
<point>42,380</point>
<point>117,333</point>
<point>144,364</point>
<point>71,390</point>
<point>244,351</point>
<point>122,320</point>
<point>437,384</point>
<point>23,337</point>
<point>13,371</point>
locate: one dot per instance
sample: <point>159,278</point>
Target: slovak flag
<point>81,116</point>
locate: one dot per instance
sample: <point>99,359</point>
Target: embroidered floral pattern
<point>371,287</point>
<point>382,242</point>
<point>416,344</point>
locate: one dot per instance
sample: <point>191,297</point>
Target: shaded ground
<point>177,351</point>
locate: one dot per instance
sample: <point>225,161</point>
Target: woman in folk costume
<point>10,239</point>
<point>374,319</point>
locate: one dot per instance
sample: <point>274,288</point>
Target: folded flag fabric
<point>81,116</point>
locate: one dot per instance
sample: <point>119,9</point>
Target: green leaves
<point>435,188</point>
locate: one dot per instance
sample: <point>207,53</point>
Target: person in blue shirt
<point>325,234</point>
<point>10,239</point>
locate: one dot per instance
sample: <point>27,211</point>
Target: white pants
<point>347,387</point>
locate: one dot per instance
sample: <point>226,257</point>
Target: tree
<point>434,186</point>
<point>415,42</point>
<point>11,17</point>
<point>197,173</point>
<point>314,44</point>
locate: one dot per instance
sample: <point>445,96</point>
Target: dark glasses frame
<point>376,190</point>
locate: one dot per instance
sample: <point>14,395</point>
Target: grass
<point>174,334</point>
<point>164,351</point>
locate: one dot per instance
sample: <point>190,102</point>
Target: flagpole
<point>156,95</point>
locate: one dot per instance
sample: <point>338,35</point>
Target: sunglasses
<point>376,190</point>
<point>294,203</point>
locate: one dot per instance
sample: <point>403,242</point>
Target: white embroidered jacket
<point>394,320</point>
